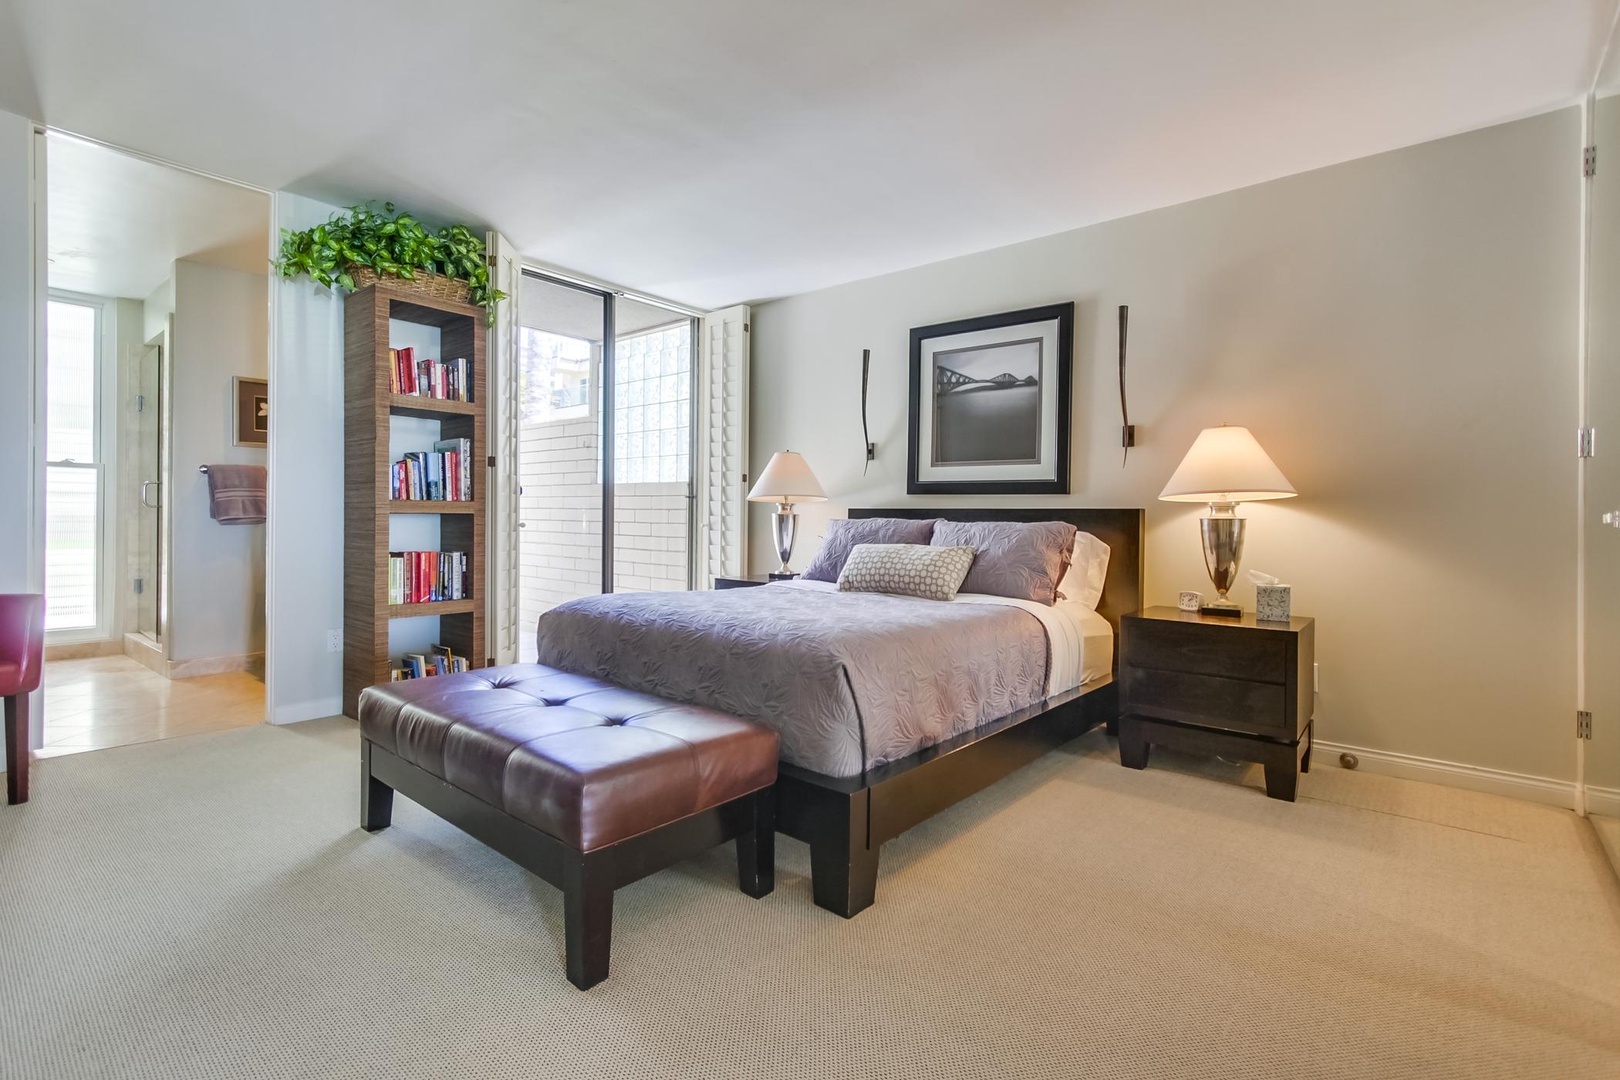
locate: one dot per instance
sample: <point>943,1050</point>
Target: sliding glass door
<point>605,446</point>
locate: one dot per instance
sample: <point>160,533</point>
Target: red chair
<point>22,661</point>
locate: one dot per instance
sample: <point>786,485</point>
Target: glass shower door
<point>148,447</point>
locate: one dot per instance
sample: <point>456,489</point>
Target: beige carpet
<point>205,907</point>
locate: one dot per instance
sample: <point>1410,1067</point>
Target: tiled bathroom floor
<point>113,701</point>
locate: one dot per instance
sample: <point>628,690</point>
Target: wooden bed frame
<point>845,820</point>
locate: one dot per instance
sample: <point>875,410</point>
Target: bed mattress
<point>849,680</point>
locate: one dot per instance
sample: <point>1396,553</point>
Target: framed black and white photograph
<point>252,419</point>
<point>990,404</point>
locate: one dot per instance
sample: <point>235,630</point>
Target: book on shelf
<point>438,660</point>
<point>447,380</point>
<point>443,474</point>
<point>427,577</point>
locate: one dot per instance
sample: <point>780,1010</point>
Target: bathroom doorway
<point>159,313</point>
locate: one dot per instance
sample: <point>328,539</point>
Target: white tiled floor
<point>113,701</point>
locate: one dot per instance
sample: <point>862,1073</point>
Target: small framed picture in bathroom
<point>252,397</point>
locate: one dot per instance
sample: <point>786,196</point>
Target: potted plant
<point>361,245</point>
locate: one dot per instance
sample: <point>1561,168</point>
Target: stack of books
<point>441,661</point>
<point>444,475</point>
<point>427,577</point>
<point>447,380</point>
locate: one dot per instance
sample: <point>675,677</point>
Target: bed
<point>889,708</point>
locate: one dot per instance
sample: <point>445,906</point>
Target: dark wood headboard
<point>1121,530</point>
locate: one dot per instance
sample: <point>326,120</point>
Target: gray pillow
<point>843,535</point>
<point>933,573</point>
<point>1023,560</point>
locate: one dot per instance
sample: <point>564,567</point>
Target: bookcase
<point>379,426</point>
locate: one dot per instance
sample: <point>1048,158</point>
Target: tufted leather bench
<point>586,785</point>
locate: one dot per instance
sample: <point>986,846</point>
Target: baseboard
<point>84,650</point>
<point>216,665</point>
<point>1536,789</point>
<point>1603,800</point>
<point>300,711</point>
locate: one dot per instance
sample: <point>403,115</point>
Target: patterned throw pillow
<point>1023,560</point>
<point>843,535</point>
<point>933,573</point>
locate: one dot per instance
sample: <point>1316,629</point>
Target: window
<point>73,480</point>
<point>652,431</point>
<point>554,374</point>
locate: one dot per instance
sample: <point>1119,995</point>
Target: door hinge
<point>140,586</point>
<point>1586,442</point>
<point>492,461</point>
<point>1583,725</point>
<point>1589,161</point>
<point>140,402</point>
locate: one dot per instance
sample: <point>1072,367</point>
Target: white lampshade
<point>787,479</point>
<point>1226,465</point>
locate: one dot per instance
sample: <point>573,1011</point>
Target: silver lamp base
<point>784,526</point>
<point>1222,532</point>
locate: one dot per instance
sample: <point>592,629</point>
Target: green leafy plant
<point>392,245</point>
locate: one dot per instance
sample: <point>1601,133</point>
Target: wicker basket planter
<point>431,286</point>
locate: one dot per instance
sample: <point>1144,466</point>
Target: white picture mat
<point>1047,467</point>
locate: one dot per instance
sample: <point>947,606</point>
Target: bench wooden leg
<point>587,918</point>
<point>17,749</point>
<point>376,797</point>
<point>756,848</point>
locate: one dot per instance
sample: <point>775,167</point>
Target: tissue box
<point>1272,603</point>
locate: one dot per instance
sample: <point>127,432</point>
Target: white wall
<point>1398,331</point>
<point>216,584</point>
<point>304,570</point>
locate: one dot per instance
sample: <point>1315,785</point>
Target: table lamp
<point>786,480</point>
<point>1225,466</point>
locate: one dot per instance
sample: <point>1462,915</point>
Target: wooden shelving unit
<point>369,410</point>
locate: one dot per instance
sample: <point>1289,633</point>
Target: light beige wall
<point>1399,333</point>
<point>216,586</point>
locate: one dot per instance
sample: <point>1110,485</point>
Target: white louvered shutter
<point>722,473</point>
<point>505,401</point>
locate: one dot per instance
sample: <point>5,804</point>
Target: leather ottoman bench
<point>582,783</point>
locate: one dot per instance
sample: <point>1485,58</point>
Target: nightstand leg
<point>1282,781</point>
<point>1133,748</point>
<point>1310,742</point>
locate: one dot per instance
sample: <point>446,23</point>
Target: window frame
<point>104,452</point>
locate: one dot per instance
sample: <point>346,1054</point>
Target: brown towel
<point>236,494</point>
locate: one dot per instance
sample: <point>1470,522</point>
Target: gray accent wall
<point>1400,334</point>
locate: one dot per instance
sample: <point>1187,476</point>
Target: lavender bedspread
<point>849,680</point>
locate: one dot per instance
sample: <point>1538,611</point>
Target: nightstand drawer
<point>1206,700</point>
<point>1234,653</point>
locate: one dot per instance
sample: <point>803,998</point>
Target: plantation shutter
<point>722,473</point>
<point>504,502</point>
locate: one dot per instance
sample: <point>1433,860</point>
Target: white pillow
<point>1088,569</point>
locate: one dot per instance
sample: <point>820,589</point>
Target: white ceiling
<point>712,151</point>
<point>117,223</point>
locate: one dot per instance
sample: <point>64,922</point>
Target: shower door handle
<point>145,484</point>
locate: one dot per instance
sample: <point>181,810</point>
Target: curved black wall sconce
<point>866,434</point>
<point>1128,431</point>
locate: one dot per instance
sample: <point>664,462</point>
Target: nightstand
<point>1236,687</point>
<point>744,582</point>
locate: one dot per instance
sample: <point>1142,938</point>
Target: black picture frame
<point>922,397</point>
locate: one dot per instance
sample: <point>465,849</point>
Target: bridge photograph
<point>987,404</point>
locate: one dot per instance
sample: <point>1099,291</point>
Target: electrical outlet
<point>334,641</point>
<point>1316,677</point>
